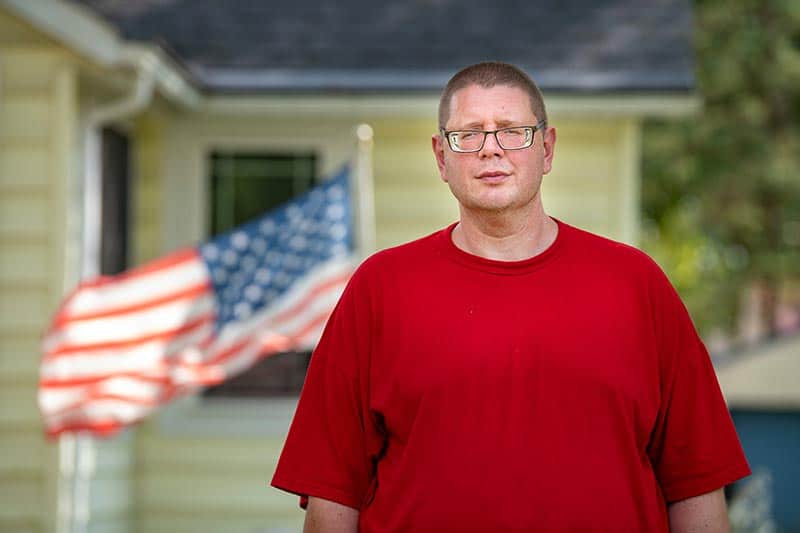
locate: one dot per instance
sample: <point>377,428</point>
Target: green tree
<point>721,190</point>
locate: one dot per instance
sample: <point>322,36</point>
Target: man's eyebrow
<point>479,126</point>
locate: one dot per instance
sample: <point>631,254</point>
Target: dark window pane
<point>115,192</point>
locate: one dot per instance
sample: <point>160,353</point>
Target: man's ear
<point>437,143</point>
<point>549,144</point>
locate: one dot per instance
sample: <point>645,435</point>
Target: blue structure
<point>771,441</point>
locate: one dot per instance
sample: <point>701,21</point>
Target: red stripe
<point>97,396</point>
<point>66,350</point>
<point>78,382</point>
<point>292,340</point>
<point>319,319</point>
<point>191,292</point>
<point>102,428</point>
<point>309,298</point>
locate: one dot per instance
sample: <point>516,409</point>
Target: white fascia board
<point>425,106</point>
<point>642,105</point>
<point>71,25</point>
<point>340,106</point>
<point>82,31</point>
<point>171,80</point>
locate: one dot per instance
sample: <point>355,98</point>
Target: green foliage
<point>721,189</point>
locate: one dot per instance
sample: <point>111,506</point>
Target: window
<point>115,194</point>
<point>242,186</point>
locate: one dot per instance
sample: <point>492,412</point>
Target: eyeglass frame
<point>541,125</point>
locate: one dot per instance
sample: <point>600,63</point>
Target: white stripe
<point>52,400</point>
<point>149,357</point>
<point>102,410</point>
<point>311,339</point>
<point>325,301</point>
<point>130,326</point>
<point>145,357</point>
<point>138,290</point>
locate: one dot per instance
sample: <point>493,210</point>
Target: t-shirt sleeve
<point>328,447</point>
<point>694,447</point>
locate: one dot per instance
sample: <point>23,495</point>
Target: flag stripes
<point>121,346</point>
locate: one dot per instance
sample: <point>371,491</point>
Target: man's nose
<point>491,146</point>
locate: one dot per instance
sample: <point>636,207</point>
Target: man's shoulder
<point>604,251</point>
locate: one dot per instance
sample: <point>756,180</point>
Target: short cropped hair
<point>489,74</point>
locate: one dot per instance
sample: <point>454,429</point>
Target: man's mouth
<point>492,175</point>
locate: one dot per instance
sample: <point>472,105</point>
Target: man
<point>510,372</point>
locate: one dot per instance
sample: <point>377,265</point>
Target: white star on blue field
<point>252,265</point>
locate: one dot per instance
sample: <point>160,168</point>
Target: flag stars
<point>338,249</point>
<point>282,279</point>
<point>242,310</point>
<point>267,227</point>
<point>294,213</point>
<point>259,245</point>
<point>211,252</point>
<point>263,276</point>
<point>335,212</point>
<point>292,262</point>
<point>253,293</point>
<point>249,263</point>
<point>338,231</point>
<point>257,263</point>
<point>240,240</point>
<point>298,242</point>
<point>220,275</point>
<point>229,257</point>
<point>336,192</point>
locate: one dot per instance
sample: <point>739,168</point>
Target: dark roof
<point>369,45</point>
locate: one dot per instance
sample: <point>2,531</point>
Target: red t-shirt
<point>568,391</point>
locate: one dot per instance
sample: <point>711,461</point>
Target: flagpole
<point>363,186</point>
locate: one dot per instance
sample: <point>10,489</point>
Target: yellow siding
<point>593,184</point>
<point>39,151</point>
<point>147,194</point>
<point>190,484</point>
<point>38,93</point>
<point>410,198</point>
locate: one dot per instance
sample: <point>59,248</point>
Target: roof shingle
<point>362,45</point>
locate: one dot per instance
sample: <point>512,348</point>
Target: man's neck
<point>505,236</point>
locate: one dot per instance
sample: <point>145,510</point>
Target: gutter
<point>138,100</point>
<point>78,453</point>
<point>79,29</point>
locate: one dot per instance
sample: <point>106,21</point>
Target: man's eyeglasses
<point>514,138</point>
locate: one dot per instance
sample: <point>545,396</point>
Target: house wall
<point>37,107</point>
<point>40,147</point>
<point>214,476</point>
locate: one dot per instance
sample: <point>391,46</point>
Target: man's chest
<point>504,348</point>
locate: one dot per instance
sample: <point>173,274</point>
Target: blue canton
<point>252,265</point>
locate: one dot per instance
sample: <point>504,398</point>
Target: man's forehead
<point>476,103</point>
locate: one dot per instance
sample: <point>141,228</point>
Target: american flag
<point>121,346</point>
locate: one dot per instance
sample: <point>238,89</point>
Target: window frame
<point>189,145</point>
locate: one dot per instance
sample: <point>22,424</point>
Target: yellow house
<point>143,104</point>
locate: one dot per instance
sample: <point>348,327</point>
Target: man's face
<point>494,179</point>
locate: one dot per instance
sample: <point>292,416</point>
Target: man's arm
<point>704,513</point>
<point>325,516</point>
